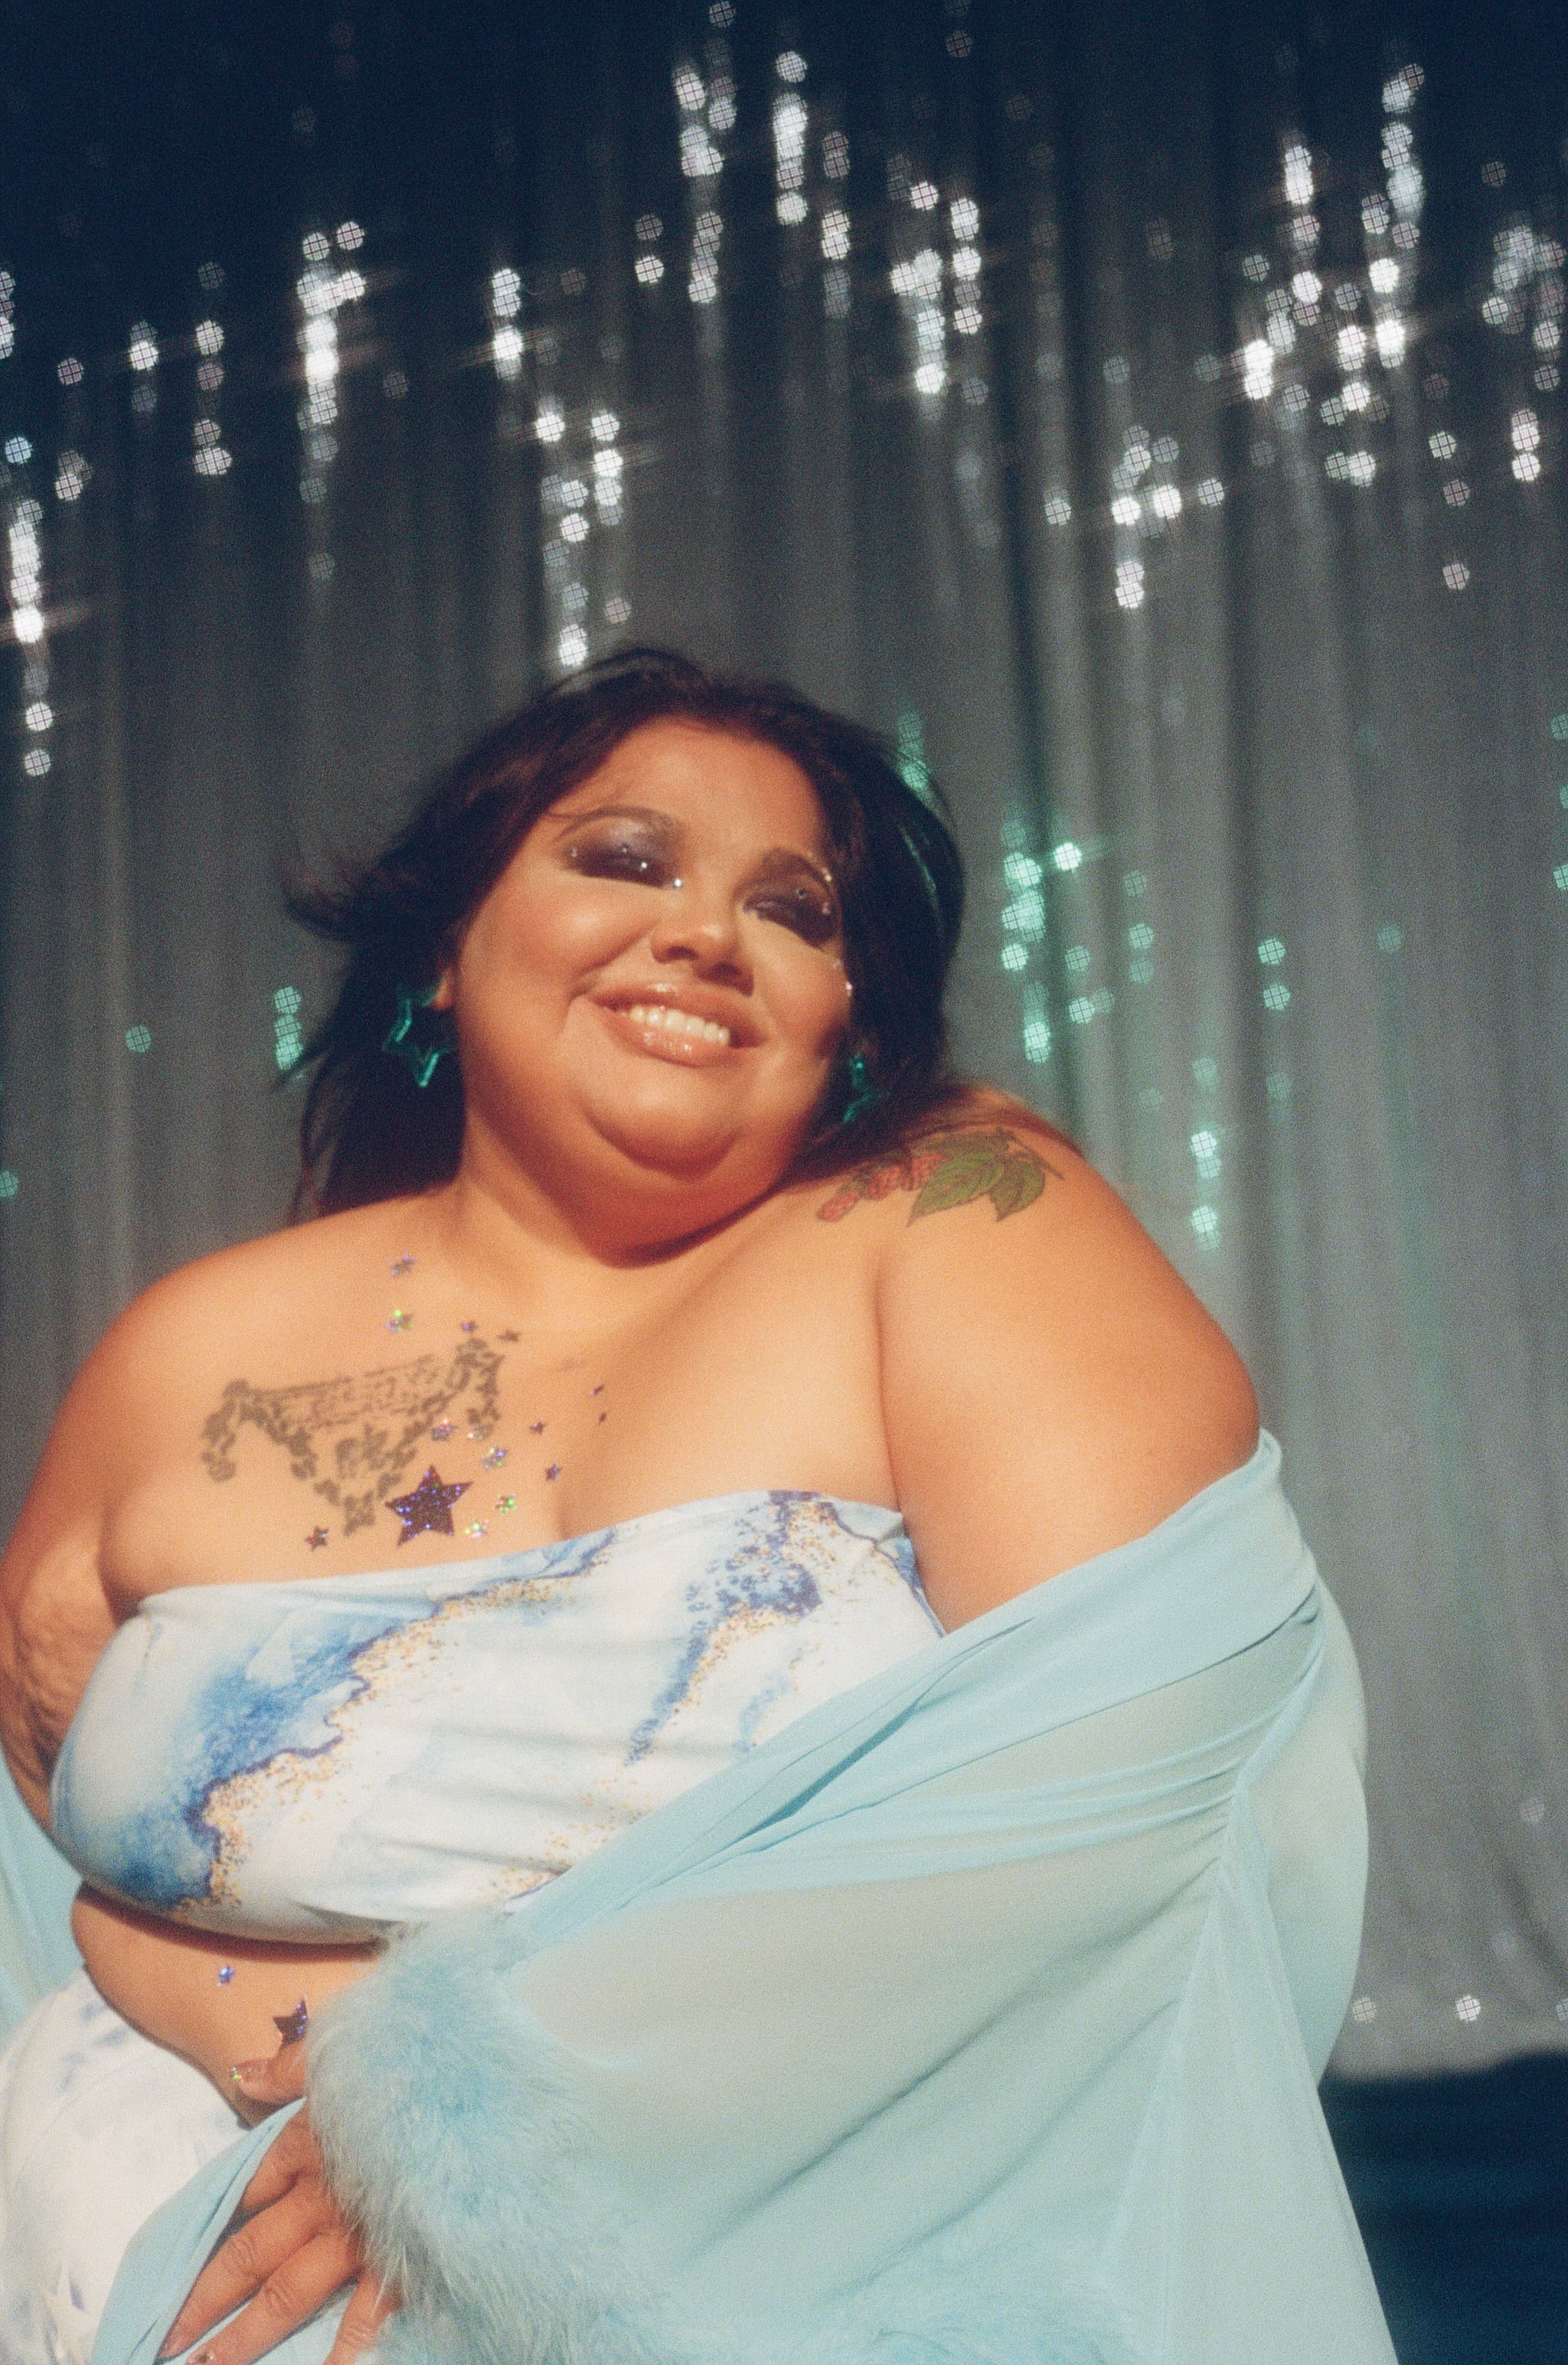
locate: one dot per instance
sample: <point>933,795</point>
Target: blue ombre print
<point>327,1756</point>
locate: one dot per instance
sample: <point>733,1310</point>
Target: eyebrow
<point>778,857</point>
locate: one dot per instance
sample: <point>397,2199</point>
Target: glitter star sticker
<point>316,1539</point>
<point>429,1506</point>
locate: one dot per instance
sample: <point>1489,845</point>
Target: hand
<point>292,2251</point>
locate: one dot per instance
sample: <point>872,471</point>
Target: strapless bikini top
<point>325,1757</point>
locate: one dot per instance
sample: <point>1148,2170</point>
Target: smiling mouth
<point>676,1022</point>
<point>664,1030</point>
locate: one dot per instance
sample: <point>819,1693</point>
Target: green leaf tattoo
<point>947,1170</point>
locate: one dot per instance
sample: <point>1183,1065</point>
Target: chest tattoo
<point>353,1440</point>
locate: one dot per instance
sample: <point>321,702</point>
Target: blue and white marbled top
<point>324,1756</point>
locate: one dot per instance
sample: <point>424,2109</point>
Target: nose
<point>699,924</point>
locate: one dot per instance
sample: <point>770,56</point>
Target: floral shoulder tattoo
<point>947,1170</point>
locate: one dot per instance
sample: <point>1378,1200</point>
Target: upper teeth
<point>677,1022</point>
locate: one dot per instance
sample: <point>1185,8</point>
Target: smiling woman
<point>845,1738</point>
<point>682,962</point>
<point>858,867</point>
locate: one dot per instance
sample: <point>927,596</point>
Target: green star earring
<point>423,1058</point>
<point>863,1093</point>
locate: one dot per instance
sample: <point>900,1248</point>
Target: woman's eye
<point>801,908</point>
<point>620,858</point>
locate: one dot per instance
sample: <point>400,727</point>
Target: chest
<point>452,1423</point>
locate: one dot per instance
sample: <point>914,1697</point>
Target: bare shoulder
<point>980,1147</point>
<point>1052,1386</point>
<point>154,1369</point>
<point>132,1415</point>
<point>253,1296</point>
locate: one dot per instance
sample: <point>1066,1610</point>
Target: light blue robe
<point>975,2018</point>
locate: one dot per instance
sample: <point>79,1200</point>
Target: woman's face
<point>653,992</point>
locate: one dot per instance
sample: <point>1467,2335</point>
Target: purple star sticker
<point>430,1506</point>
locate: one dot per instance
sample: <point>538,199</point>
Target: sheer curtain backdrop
<point>1150,416</point>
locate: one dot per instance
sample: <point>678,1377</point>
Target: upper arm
<point>55,1615</point>
<point>1051,1387</point>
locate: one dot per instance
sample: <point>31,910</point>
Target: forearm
<point>165,1980</point>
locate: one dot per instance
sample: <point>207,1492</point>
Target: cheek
<point>811,1001</point>
<point>554,938</point>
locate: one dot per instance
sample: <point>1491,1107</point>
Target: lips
<point>676,1021</point>
<point>690,1025</point>
<point>687,1020</point>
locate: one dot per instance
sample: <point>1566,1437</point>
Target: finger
<point>244,2261</point>
<point>277,2078</point>
<point>363,2317</point>
<point>287,2300</point>
<point>291,2155</point>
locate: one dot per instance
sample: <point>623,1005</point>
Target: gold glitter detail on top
<point>294,1777</point>
<point>814,1540</point>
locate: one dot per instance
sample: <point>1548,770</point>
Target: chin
<point>683,1153</point>
<point>691,1144</point>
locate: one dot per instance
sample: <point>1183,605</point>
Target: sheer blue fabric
<point>974,2017</point>
<point>36,1886</point>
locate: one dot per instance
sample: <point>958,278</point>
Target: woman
<point>557,1487</point>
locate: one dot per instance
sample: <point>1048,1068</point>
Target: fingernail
<point>246,2073</point>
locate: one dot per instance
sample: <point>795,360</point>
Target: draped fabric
<point>976,2015</point>
<point>1150,416</point>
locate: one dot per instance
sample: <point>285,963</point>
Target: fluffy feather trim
<point>444,2113</point>
<point>449,2136</point>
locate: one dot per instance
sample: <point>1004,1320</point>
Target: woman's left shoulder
<point>1029,1323</point>
<point>980,1150</point>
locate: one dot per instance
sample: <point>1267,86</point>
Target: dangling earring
<point>863,1093</point>
<point>423,1058</point>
